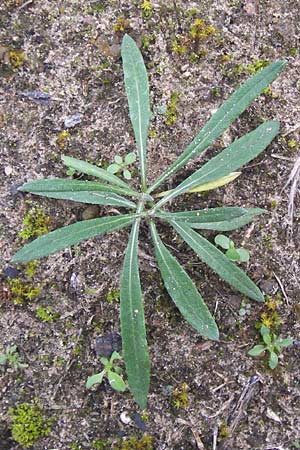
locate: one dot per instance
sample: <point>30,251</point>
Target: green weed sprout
<point>111,371</point>
<point>232,253</point>
<point>144,206</point>
<point>271,344</point>
<point>121,166</point>
<point>12,358</point>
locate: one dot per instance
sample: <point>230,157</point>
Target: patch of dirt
<point>70,50</point>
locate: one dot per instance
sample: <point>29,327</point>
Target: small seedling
<point>232,253</point>
<point>12,358</point>
<point>111,371</point>
<point>121,166</point>
<point>271,344</point>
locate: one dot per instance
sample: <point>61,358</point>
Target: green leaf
<point>222,241</point>
<point>113,168</point>
<point>183,291</point>
<point>116,381</point>
<point>232,254</point>
<point>273,360</point>
<point>243,254</point>
<point>130,158</point>
<point>215,259</point>
<point>48,185</point>
<point>95,171</point>
<point>264,330</point>
<point>257,350</point>
<point>118,160</point>
<point>224,117</point>
<point>267,338</point>
<point>134,342</point>
<point>208,186</point>
<point>78,191</point>
<point>3,359</point>
<point>97,378</point>
<point>126,174</point>
<point>71,235</point>
<point>218,219</point>
<point>284,342</point>
<point>232,158</point>
<point>137,90</point>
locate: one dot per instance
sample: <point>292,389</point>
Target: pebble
<point>108,343</point>
<point>37,96</point>
<point>124,417</point>
<point>73,120</point>
<point>90,212</point>
<point>8,170</point>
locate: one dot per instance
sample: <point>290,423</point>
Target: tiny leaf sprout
<point>232,253</point>
<point>111,371</point>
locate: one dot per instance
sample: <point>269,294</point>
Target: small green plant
<point>146,8</point>
<point>134,443</point>
<point>111,371</point>
<point>22,291</point>
<point>46,314</point>
<point>35,223</point>
<point>121,166</point>
<point>144,207</point>
<point>12,358</point>
<point>171,112</point>
<point>232,253</point>
<point>180,396</point>
<point>28,423</point>
<point>272,344</point>
<point>113,296</point>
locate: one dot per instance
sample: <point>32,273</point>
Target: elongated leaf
<point>219,219</point>
<point>133,329</point>
<point>257,350</point>
<point>71,235</point>
<point>215,259</point>
<point>183,291</point>
<point>95,171</point>
<point>207,186</point>
<point>233,157</point>
<point>224,117</point>
<point>78,191</point>
<point>68,185</point>
<point>137,90</point>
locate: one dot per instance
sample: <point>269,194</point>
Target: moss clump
<point>63,138</point>
<point>35,223</point>
<point>200,31</point>
<point>121,25</point>
<point>113,296</point>
<point>16,58</point>
<point>180,396</point>
<point>146,8</point>
<point>134,443</point>
<point>28,423</point>
<point>270,317</point>
<point>22,291</point>
<point>46,314</point>
<point>171,113</point>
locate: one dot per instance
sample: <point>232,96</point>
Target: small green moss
<point>292,143</point>
<point>134,443</point>
<point>16,58</point>
<point>171,113</point>
<point>101,444</point>
<point>35,223</point>
<point>113,296</point>
<point>22,291</point>
<point>121,25</point>
<point>293,52</point>
<point>28,423</point>
<point>31,268</point>
<point>180,396</point>
<point>63,139</point>
<point>146,8</point>
<point>224,432</point>
<point>199,30</point>
<point>46,314</point>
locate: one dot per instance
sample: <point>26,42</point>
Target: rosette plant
<point>149,205</point>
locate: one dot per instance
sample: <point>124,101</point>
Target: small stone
<point>107,344</point>
<point>8,170</point>
<point>90,212</point>
<point>11,272</point>
<point>139,421</point>
<point>73,120</point>
<point>125,418</point>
